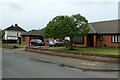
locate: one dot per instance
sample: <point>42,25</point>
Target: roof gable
<point>14,28</point>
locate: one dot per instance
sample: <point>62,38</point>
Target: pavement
<point>72,62</point>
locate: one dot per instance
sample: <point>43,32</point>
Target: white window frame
<point>115,38</point>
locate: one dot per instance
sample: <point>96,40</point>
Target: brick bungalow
<point>32,34</point>
<point>104,33</point>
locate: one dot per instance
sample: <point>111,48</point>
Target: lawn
<point>0,43</point>
<point>16,45</point>
<point>111,51</point>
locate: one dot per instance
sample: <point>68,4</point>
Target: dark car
<point>56,43</point>
<point>37,42</point>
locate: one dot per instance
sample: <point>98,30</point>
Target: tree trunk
<point>71,43</point>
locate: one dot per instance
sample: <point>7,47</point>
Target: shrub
<point>15,46</point>
<point>105,45</point>
<point>98,47</point>
<point>82,47</point>
<point>67,43</point>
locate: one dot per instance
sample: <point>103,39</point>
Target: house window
<point>119,38</point>
<point>24,38</point>
<point>115,38</point>
<point>78,40</point>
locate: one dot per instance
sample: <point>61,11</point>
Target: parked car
<point>37,42</point>
<point>56,43</point>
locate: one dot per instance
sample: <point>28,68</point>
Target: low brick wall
<point>87,56</point>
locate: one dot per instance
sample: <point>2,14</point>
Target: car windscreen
<point>38,41</point>
<point>51,41</point>
<point>31,40</point>
<point>58,40</point>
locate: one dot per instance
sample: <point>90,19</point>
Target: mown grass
<point>15,45</point>
<point>0,43</point>
<point>110,51</point>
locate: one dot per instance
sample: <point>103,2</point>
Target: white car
<point>56,43</point>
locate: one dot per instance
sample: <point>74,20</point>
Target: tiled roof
<point>15,28</point>
<point>105,27</point>
<point>33,33</point>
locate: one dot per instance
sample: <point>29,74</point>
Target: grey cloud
<point>14,6</point>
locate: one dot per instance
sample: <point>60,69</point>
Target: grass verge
<point>109,51</point>
<point>14,45</point>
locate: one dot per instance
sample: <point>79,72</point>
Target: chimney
<point>16,25</point>
<point>12,26</point>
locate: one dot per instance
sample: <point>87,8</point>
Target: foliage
<point>1,34</point>
<point>67,43</point>
<point>17,45</point>
<point>67,26</point>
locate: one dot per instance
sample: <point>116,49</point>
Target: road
<point>22,66</point>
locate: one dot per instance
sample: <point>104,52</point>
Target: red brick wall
<point>37,37</point>
<point>107,41</point>
<point>26,42</point>
<point>95,41</point>
<point>46,42</point>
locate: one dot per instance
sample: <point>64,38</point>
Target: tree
<point>67,26</point>
<point>2,33</point>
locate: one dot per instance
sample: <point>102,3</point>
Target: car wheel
<point>56,45</point>
<point>50,45</point>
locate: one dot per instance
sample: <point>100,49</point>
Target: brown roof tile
<point>15,28</point>
<point>106,26</point>
<point>33,33</point>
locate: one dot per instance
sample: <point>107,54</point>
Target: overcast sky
<point>34,14</point>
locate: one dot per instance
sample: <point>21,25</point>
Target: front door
<point>90,40</point>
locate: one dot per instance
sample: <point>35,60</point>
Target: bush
<point>105,45</point>
<point>67,43</point>
<point>82,47</point>
<point>15,46</point>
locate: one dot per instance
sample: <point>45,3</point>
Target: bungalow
<point>13,33</point>
<point>104,33</point>
<point>32,34</point>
